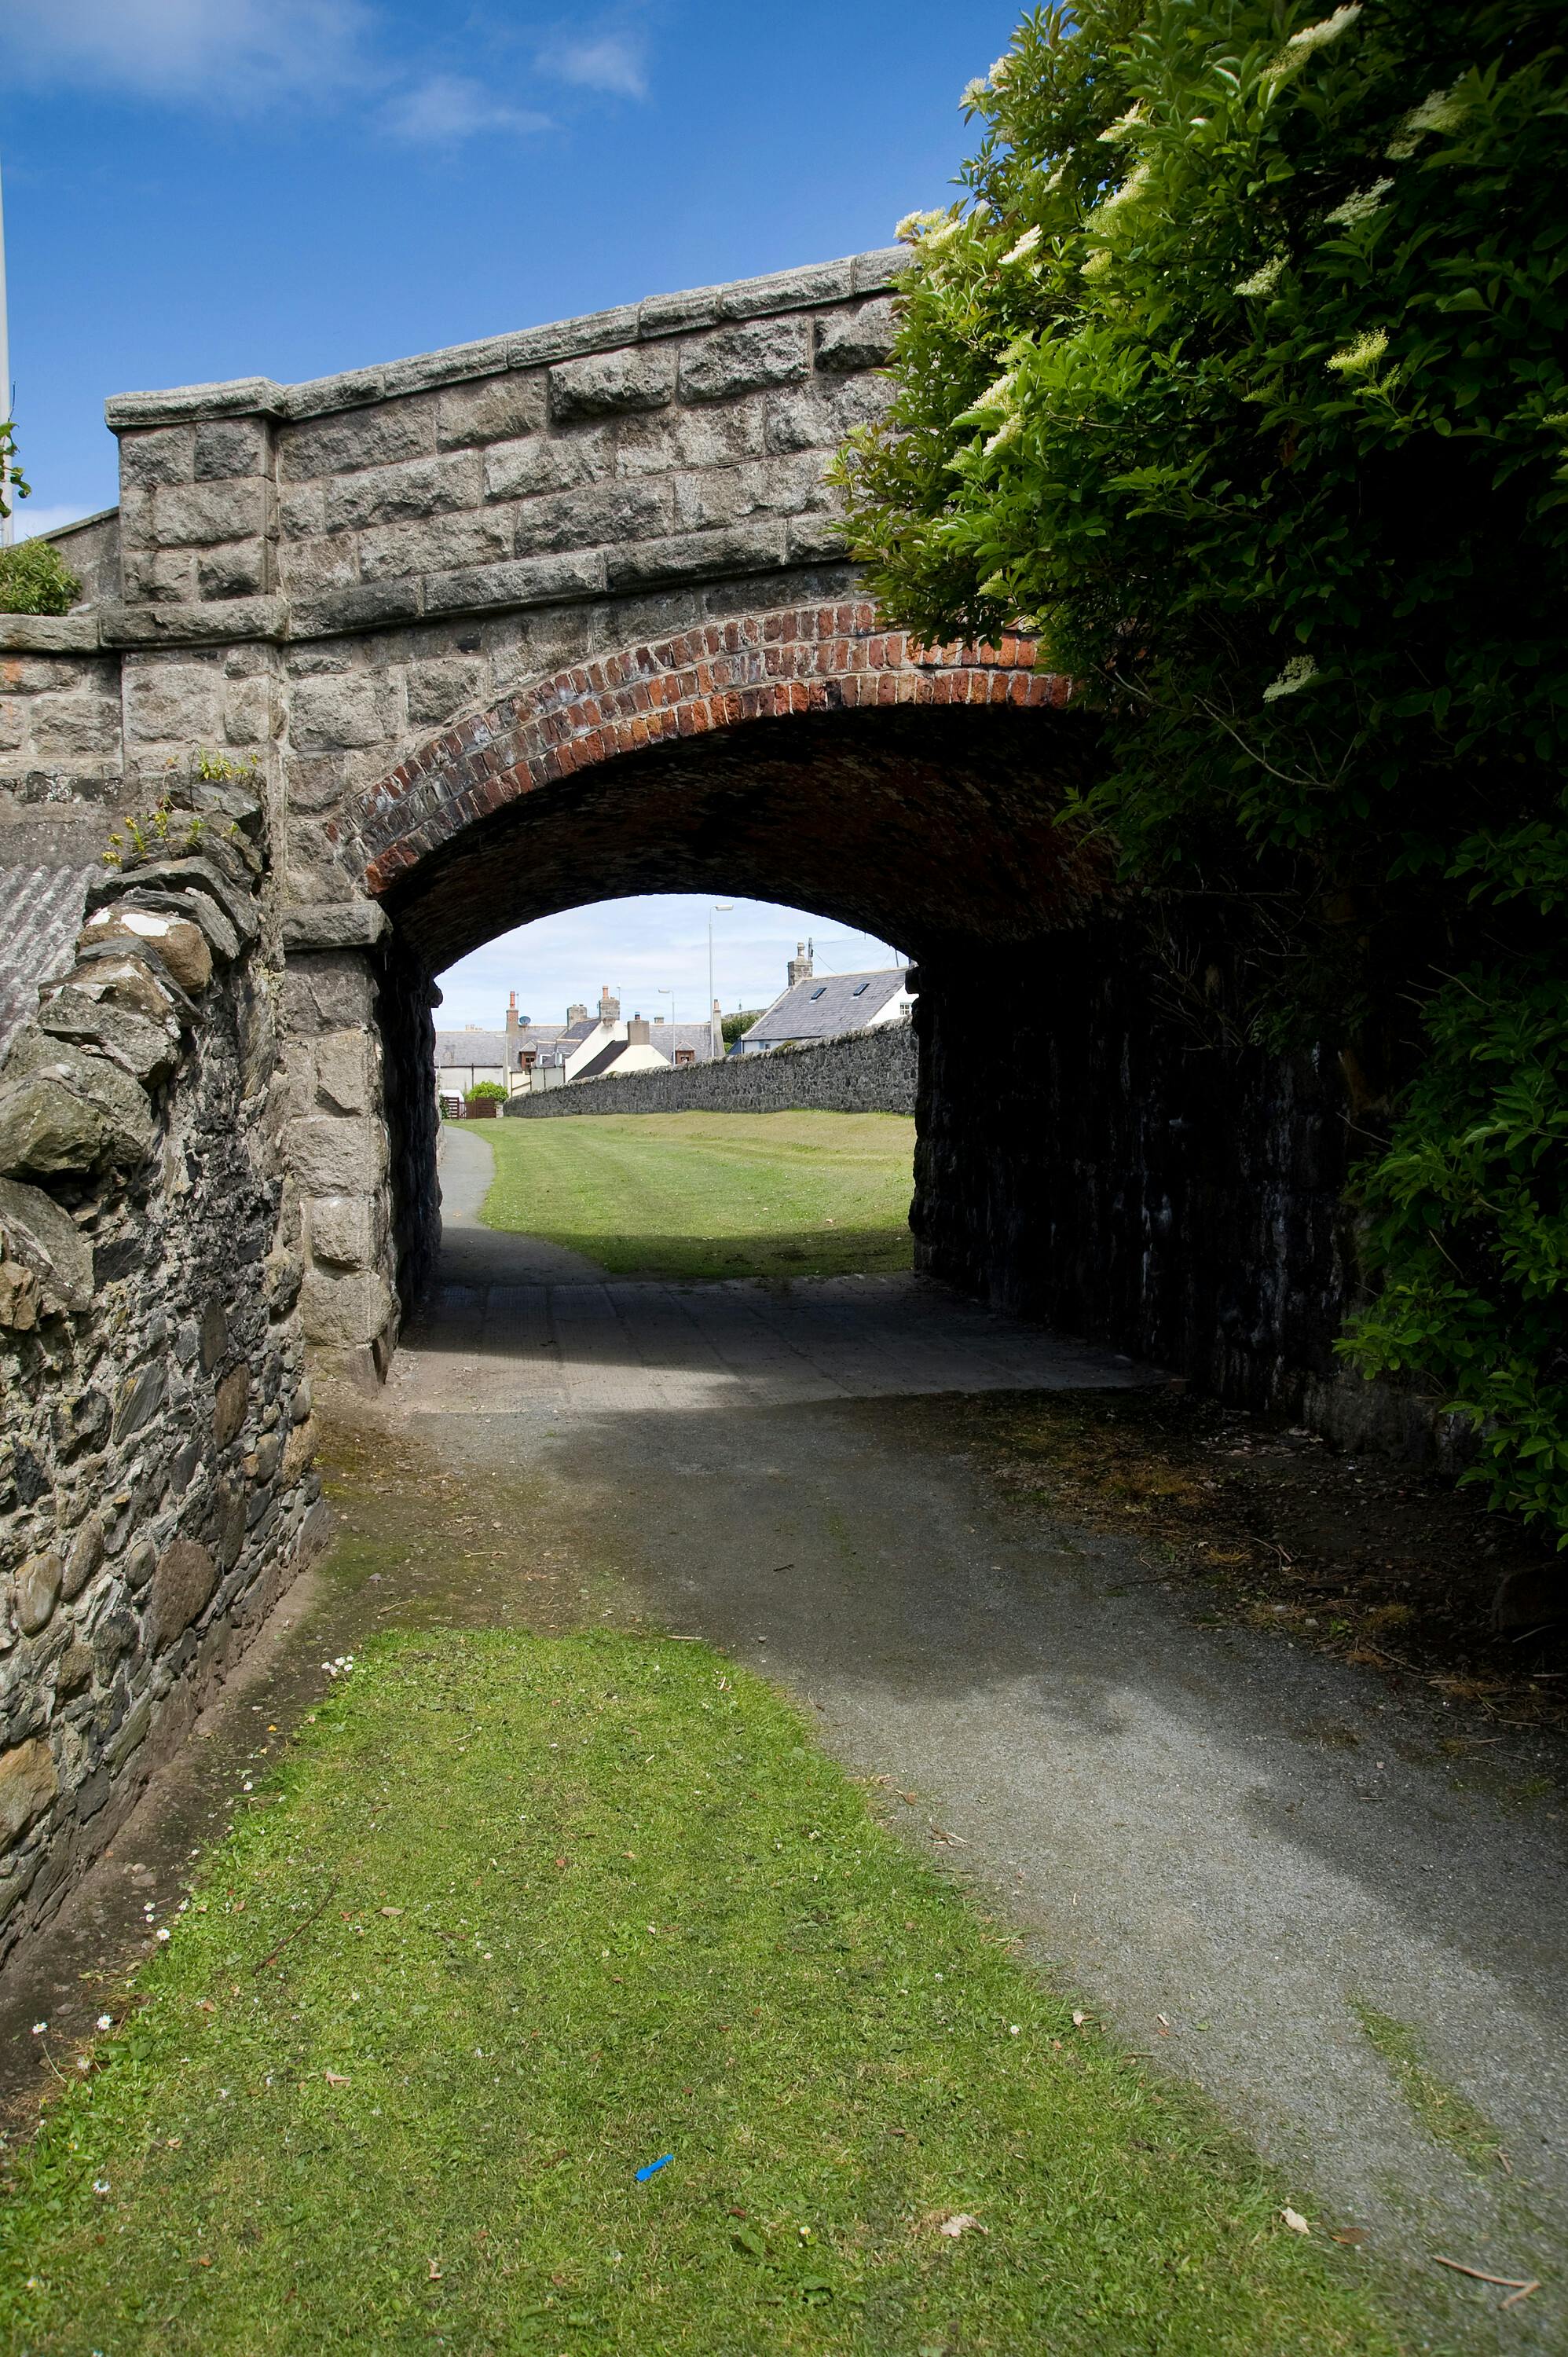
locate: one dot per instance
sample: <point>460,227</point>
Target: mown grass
<point>710,1195</point>
<point>521,1915</point>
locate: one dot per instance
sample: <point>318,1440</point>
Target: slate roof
<point>40,916</point>
<point>602,1062</point>
<point>826,1006</point>
<point>456,1049</point>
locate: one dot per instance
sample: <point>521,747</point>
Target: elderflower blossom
<point>1295,675</point>
<point>1125,124</point>
<point>1262,281</point>
<point>1363,354</point>
<point>917,225</point>
<point>1024,247</point>
<point>1440,110</point>
<point>1359,207</point>
<point>1098,261</point>
<point>974,94</point>
<point>1301,45</point>
<point>1004,433</point>
<point>1129,188</point>
<point>1000,395</point>
<point>1000,71</point>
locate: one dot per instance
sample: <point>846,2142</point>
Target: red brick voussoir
<point>716,675</point>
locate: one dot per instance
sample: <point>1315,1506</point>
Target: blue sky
<point>209,189</point>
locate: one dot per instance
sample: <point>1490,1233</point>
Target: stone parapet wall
<point>869,1072</point>
<point>156,1487</point>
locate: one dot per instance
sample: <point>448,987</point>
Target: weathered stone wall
<point>869,1072</point>
<point>156,1483</point>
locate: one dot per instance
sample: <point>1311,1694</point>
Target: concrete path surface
<point>1257,1865</point>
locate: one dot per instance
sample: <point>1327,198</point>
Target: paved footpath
<point>1234,1849</point>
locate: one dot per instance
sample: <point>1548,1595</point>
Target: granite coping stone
<point>660,315</point>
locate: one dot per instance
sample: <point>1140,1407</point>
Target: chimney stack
<point>511,1017</point>
<point>609,1006</point>
<point>637,1032</point>
<point>799,965</point>
<point>576,1012</point>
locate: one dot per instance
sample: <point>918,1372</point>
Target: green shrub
<point>1237,375</point>
<point>487,1093</point>
<point>34,579</point>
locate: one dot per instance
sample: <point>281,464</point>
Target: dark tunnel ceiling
<point>915,826</point>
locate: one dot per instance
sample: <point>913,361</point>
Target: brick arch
<point>713,678</point>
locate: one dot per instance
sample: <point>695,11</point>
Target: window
<point>821,993</point>
<point>859,990</point>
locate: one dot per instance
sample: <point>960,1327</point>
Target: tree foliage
<point>35,580</point>
<point>1238,373</point>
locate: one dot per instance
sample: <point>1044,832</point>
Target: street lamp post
<point>715,1035</point>
<point>7,522</point>
<point>667,990</point>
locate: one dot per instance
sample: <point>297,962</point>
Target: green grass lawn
<point>520,1916</point>
<point>710,1195</point>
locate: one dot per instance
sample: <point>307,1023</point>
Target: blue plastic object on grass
<point>653,2168</point>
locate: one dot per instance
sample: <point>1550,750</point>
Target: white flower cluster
<point>1264,281</point>
<point>1440,110</point>
<point>1364,353</point>
<point>1024,247</point>
<point>1361,206</point>
<point>340,1665</point>
<point>1125,124</point>
<point>1302,44</point>
<point>1295,677</point>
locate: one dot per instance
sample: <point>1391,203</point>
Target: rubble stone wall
<point>869,1072</point>
<point>156,1490</point>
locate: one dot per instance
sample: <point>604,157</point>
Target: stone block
<point>228,446</point>
<point>247,712</point>
<point>342,1312</point>
<point>356,439</point>
<point>215,622</point>
<point>299,1452</point>
<point>140,1396</point>
<point>83,1557</point>
<point>198,514</point>
<point>525,581</point>
<point>71,1115</point>
<point>148,1052</point>
<point>333,1155</point>
<point>38,1591</point>
<point>230,1403</point>
<point>594,331</point>
<point>343,1071</point>
<point>817,539</point>
<point>745,548</point>
<point>419,487</point>
<point>47,1240</point>
<point>181,945</point>
<point>361,606</point>
<point>607,513</point>
<point>172,702</point>
<point>345,1231</point>
<point>493,409</point>
<point>213,1334</point>
<point>608,384</point>
<point>857,339</point>
<point>553,462</point>
<point>325,991</point>
<point>238,569</point>
<point>159,577</point>
<point>817,282</point>
<point>717,436</point>
<point>394,551</point>
<point>181,1590</point>
<point>744,360</point>
<point>165,455</point>
<point>355,924</point>
<point>438,689</point>
<point>28,1783</point>
<point>338,715</point>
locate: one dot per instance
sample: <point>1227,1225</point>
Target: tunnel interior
<point>1081,1157</point>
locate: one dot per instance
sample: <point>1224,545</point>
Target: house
<point>529,1055</point>
<point>810,1009</point>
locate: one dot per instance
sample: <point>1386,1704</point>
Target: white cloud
<point>614,61</point>
<point>240,53</point>
<point>452,106</point>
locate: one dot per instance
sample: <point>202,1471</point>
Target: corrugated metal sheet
<point>40,916</point>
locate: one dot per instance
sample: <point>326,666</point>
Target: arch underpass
<point>568,614</point>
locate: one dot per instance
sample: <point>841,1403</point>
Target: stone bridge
<point>415,654</point>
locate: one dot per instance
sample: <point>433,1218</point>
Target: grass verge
<point>522,1915</point>
<point>1448,2117</point>
<point>710,1195</point>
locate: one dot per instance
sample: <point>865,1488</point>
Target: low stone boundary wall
<point>869,1072</point>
